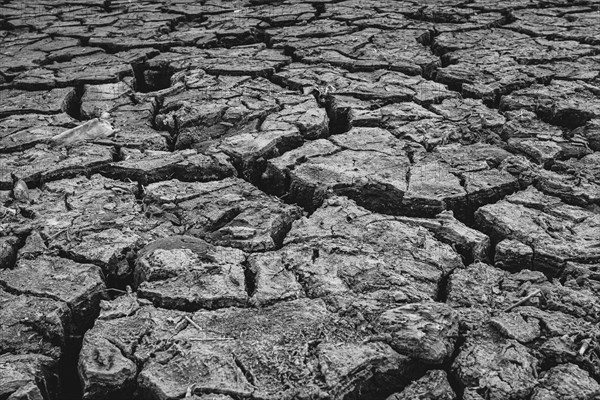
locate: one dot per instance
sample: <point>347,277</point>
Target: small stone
<point>20,191</point>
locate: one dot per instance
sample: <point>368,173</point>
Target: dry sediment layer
<point>246,199</point>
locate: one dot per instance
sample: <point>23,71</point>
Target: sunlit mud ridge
<point>277,200</point>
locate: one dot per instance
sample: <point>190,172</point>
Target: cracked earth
<point>270,200</point>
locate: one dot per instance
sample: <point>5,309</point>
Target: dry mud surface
<point>271,200</point>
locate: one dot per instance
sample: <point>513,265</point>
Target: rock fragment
<point>434,385</point>
<point>564,103</point>
<point>134,128</point>
<point>513,255</point>
<point>566,381</point>
<point>33,325</point>
<point>590,131</point>
<point>556,232</point>
<point>423,331</point>
<point>98,100</point>
<point>349,171</point>
<point>230,212</point>
<point>575,181</point>
<point>406,182</point>
<point>107,366</point>
<point>27,376</point>
<point>185,273</point>
<point>498,369</point>
<point>514,326</point>
<point>44,163</point>
<point>52,101</point>
<point>470,243</point>
<point>151,166</point>
<point>80,286</point>
<point>540,141</point>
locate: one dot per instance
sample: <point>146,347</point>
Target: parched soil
<point>277,200</point>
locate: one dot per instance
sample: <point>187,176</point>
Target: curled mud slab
<point>349,200</point>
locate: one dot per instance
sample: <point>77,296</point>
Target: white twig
<point>523,300</point>
<point>191,321</point>
<point>584,346</point>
